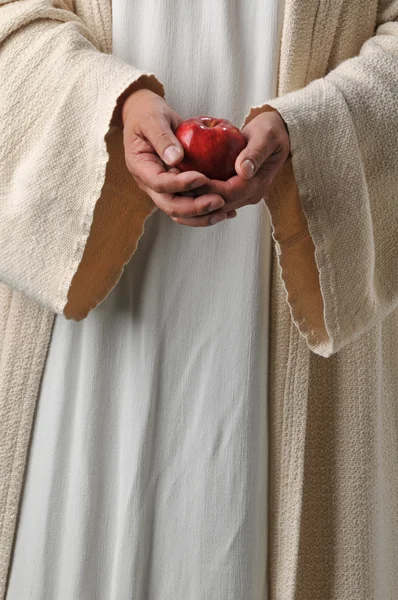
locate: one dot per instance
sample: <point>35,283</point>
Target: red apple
<point>211,146</point>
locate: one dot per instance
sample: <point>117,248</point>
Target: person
<point>146,476</point>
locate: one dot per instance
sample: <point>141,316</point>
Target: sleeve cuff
<point>64,183</point>
<point>117,223</point>
<point>313,225</point>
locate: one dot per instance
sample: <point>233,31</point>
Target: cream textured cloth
<point>333,428</point>
<point>149,450</point>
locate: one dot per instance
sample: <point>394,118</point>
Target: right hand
<point>149,144</point>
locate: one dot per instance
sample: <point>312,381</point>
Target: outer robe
<point>149,446</point>
<point>333,515</point>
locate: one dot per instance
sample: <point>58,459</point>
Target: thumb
<point>159,133</point>
<point>258,149</point>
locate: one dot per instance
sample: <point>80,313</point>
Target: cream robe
<point>333,428</point>
<point>149,447</point>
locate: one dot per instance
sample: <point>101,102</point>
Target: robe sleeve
<point>334,203</point>
<point>71,214</point>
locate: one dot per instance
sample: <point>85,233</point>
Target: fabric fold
<point>335,220</point>
<point>54,171</point>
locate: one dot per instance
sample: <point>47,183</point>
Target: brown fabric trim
<point>296,254</point>
<point>118,223</point>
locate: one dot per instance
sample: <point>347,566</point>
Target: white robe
<point>147,475</point>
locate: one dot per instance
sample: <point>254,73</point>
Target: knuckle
<point>229,194</point>
<point>133,161</point>
<point>170,212</point>
<point>232,197</point>
<point>147,118</point>
<point>273,132</point>
<point>199,209</point>
<point>280,138</point>
<point>134,144</point>
<point>157,187</point>
<point>160,138</point>
<point>204,210</point>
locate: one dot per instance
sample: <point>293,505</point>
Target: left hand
<point>268,147</point>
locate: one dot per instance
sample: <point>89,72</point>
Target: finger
<point>188,207</point>
<point>157,130</point>
<point>207,220</point>
<point>185,206</point>
<point>149,169</point>
<point>194,193</point>
<point>261,144</point>
<point>255,199</point>
<point>234,189</point>
<point>237,191</point>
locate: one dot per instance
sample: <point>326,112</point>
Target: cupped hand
<point>152,153</point>
<point>268,147</point>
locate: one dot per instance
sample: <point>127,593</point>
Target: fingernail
<point>218,218</point>
<point>216,204</point>
<point>171,153</point>
<point>247,168</point>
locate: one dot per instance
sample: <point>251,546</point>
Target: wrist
<point>119,114</point>
<point>274,110</point>
<point>141,94</point>
<point>283,122</point>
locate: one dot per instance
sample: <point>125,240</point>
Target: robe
<point>147,472</point>
<point>334,324</point>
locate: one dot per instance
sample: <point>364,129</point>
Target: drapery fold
<point>333,512</point>
<point>64,216</point>
<point>334,208</point>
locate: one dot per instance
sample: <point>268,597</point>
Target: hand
<point>268,146</point>
<point>148,125</point>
